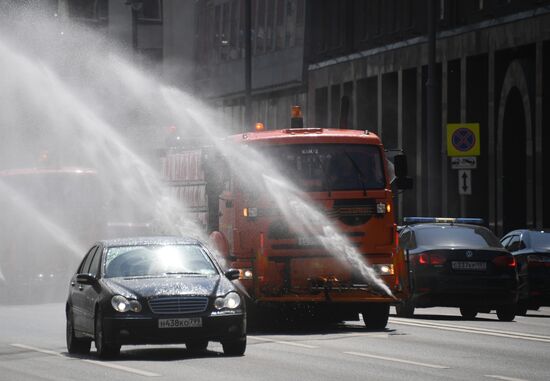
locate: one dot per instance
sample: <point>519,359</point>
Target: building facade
<point>493,68</point>
<point>278,65</point>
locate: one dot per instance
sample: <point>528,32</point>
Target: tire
<point>468,313</point>
<point>521,309</point>
<point>197,346</point>
<point>104,349</point>
<point>74,344</point>
<point>405,309</point>
<point>376,315</point>
<point>506,313</point>
<point>234,347</point>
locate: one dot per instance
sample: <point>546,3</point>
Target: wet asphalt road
<point>436,345</point>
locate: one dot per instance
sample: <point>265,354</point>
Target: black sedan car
<point>454,264</point>
<point>153,290</point>
<point>531,248</point>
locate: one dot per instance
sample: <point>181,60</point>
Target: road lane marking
<point>123,368</point>
<point>95,362</point>
<point>504,377</point>
<point>283,342</point>
<point>481,331</point>
<point>473,328</point>
<point>397,360</point>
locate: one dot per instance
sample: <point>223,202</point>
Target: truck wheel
<point>506,313</point>
<point>405,309</point>
<point>375,315</point>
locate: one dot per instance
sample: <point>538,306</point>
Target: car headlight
<point>383,269</point>
<point>229,301</point>
<point>121,304</point>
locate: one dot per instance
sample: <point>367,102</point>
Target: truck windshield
<point>330,167</point>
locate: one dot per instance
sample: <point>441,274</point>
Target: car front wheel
<point>234,347</point>
<point>103,348</point>
<point>74,344</point>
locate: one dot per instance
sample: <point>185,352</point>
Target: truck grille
<point>179,304</point>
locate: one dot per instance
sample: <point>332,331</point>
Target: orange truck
<point>284,266</point>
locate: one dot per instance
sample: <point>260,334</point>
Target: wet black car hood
<point>147,287</point>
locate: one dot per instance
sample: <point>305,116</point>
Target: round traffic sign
<point>463,139</point>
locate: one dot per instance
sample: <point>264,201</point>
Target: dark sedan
<point>453,264</point>
<point>153,290</point>
<point>531,248</point>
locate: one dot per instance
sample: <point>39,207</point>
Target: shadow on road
<point>445,317</point>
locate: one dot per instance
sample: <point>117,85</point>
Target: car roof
<point>153,240</point>
<point>442,225</point>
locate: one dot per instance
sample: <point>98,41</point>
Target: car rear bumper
<point>465,299</point>
<point>465,292</point>
<point>145,329</point>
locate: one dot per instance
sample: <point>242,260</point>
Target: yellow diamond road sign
<point>463,139</point>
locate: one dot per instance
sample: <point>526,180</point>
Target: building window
<point>89,10</point>
<point>280,25</point>
<point>260,27</point>
<point>270,21</point>
<point>149,10</point>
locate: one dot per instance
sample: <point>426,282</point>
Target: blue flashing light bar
<point>424,220</point>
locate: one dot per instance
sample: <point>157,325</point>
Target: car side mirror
<point>233,274</point>
<point>86,279</point>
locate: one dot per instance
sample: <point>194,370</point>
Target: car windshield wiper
<point>360,174</point>
<point>183,273</point>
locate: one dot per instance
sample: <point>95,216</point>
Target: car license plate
<point>467,265</point>
<point>180,323</point>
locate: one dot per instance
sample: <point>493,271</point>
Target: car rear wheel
<point>197,346</point>
<point>103,348</point>
<point>506,313</point>
<point>234,347</point>
<point>405,309</point>
<point>468,313</point>
<point>74,344</point>
<point>376,315</point>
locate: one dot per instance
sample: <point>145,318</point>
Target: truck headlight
<point>383,269</point>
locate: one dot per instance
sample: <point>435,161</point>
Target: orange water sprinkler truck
<point>346,175</point>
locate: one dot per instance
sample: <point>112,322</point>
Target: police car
<point>456,262</point>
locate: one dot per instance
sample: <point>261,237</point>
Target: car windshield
<point>158,260</point>
<point>456,236</point>
<point>323,167</point>
<point>540,240</point>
